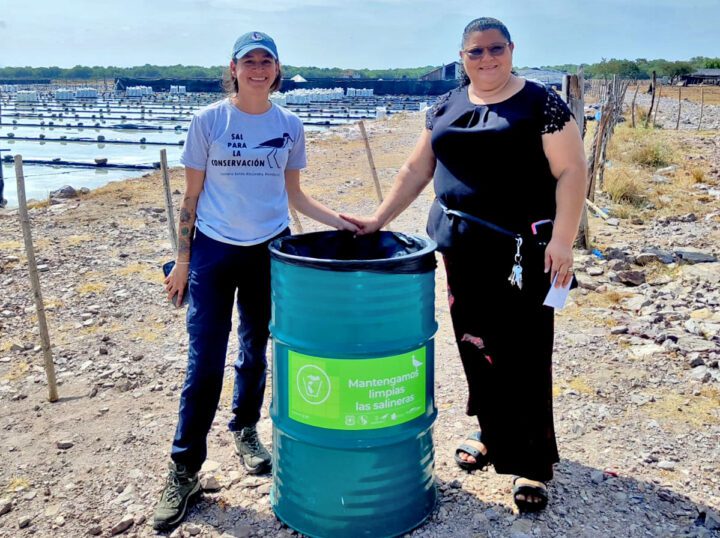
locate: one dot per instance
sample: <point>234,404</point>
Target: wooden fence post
<point>657,106</point>
<point>677,123</point>
<point>168,201</point>
<point>378,191</point>
<point>702,105</point>
<point>296,219</point>
<point>652,98</point>
<point>610,113</point>
<point>632,106</point>
<point>35,281</point>
<point>575,97</point>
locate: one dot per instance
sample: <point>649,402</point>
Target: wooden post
<point>576,103</point>
<point>677,123</point>
<point>598,139</point>
<point>632,106</point>
<point>596,209</point>
<point>702,105</point>
<point>3,201</point>
<point>35,281</point>
<point>652,98</point>
<point>657,106</point>
<point>576,100</point>
<point>361,124</point>
<point>296,219</point>
<point>168,201</point>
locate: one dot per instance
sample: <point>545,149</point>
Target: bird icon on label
<point>416,363</point>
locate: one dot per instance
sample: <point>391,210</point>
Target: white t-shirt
<point>244,156</point>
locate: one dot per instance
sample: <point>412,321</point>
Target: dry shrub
<point>17,371</point>
<point>624,211</point>
<point>8,246</point>
<point>675,411</point>
<point>140,270</point>
<point>92,287</point>
<point>606,299</point>
<point>640,146</point>
<point>623,186</point>
<point>614,297</point>
<point>698,175</point>
<point>76,240</point>
<point>641,113</point>
<point>654,154</point>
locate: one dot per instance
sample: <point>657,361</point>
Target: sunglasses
<point>494,50</point>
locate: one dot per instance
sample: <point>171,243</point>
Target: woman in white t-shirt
<point>242,165</point>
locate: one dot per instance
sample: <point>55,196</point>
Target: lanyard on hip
<point>477,220</point>
<point>515,277</point>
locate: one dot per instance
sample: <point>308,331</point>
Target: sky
<point>351,34</point>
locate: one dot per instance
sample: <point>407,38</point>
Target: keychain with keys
<point>515,277</point>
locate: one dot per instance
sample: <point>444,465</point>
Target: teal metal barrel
<point>353,375</point>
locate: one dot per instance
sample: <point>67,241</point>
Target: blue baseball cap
<point>251,41</point>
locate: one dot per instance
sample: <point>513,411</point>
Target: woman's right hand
<point>365,225</point>
<point>176,281</point>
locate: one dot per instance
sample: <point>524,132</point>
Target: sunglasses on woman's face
<point>494,50</point>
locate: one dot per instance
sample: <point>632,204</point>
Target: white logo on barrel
<point>313,384</point>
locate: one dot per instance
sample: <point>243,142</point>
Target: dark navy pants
<point>219,271</point>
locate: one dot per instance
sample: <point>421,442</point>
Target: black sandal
<point>525,505</point>
<point>481,460</point>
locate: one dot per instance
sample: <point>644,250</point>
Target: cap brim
<point>243,51</point>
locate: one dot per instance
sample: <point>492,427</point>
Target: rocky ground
<point>690,118</point>
<point>637,383</point>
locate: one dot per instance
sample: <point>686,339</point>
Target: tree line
<point>81,72</point>
<point>640,68</point>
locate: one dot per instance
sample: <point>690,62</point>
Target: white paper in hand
<point>556,297</point>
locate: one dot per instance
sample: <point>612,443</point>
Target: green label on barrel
<point>356,394</point>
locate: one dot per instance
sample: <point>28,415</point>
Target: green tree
<point>677,69</point>
<point>79,72</point>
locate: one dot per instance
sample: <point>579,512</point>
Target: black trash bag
<point>381,252</point>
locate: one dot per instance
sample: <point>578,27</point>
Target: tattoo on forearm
<point>186,225</point>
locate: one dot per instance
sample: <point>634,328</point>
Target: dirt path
<point>636,371</point>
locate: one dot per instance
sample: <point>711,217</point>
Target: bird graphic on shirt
<point>274,144</point>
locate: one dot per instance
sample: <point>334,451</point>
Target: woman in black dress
<point>508,166</point>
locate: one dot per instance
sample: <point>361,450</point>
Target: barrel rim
<point>427,250</point>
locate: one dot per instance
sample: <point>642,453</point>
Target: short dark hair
<point>230,85</point>
<point>480,25</point>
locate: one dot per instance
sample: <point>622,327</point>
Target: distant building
<point>454,71</point>
<point>548,77</point>
<point>451,71</point>
<point>703,76</point>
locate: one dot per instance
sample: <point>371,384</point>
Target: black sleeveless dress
<point>491,166</point>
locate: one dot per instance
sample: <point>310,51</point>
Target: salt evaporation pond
<point>33,119</point>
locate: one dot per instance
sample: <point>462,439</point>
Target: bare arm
<point>412,178</point>
<point>311,207</point>
<point>566,155</point>
<point>177,279</point>
<point>194,180</point>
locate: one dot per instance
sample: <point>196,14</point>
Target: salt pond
<point>84,132</point>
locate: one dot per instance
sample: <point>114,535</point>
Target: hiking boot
<point>180,487</point>
<point>255,457</point>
